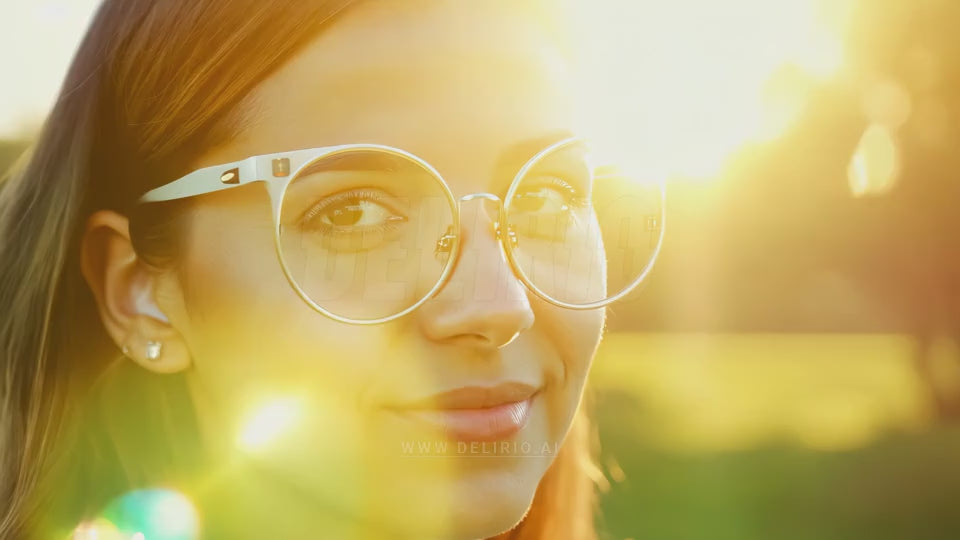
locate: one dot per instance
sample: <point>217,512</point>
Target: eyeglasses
<point>367,233</point>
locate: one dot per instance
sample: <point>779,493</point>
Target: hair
<point>151,83</point>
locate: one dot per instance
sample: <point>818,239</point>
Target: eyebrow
<point>508,164</point>
<point>514,156</point>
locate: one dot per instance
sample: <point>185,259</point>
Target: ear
<point>124,288</point>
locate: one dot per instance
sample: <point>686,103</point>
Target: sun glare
<point>269,423</point>
<point>875,165</point>
<point>675,88</point>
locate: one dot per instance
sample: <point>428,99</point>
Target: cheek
<point>573,336</point>
<point>251,336</point>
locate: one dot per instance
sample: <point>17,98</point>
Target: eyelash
<point>309,218</point>
<point>574,196</point>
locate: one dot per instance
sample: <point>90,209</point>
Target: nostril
<point>475,341</point>
<point>486,341</point>
<point>488,325</point>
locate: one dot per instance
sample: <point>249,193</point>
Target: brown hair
<point>151,80</point>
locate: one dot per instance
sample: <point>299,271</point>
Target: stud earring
<point>154,348</point>
<point>125,350</point>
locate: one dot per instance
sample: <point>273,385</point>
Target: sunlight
<point>676,88</point>
<point>149,513</point>
<point>269,423</point>
<point>50,31</point>
<point>875,165</point>
<point>100,529</point>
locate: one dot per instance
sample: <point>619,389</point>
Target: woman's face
<point>467,88</point>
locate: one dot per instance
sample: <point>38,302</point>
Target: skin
<point>458,85</point>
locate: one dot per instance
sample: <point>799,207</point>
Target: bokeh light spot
<point>888,102</point>
<point>154,514</point>
<point>875,165</point>
<point>270,422</point>
<point>100,529</point>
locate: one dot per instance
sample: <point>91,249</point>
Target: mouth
<point>475,413</point>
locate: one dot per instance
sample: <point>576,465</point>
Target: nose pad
<point>510,233</point>
<point>483,305</point>
<point>493,209</point>
<point>445,243</point>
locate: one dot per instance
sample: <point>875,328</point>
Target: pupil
<point>347,215</point>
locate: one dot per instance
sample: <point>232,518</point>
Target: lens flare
<point>154,514</point>
<point>875,165</point>
<point>269,423</point>
<point>101,529</point>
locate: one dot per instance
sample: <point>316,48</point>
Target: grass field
<point>771,437</point>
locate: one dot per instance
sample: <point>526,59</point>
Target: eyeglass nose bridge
<point>446,242</point>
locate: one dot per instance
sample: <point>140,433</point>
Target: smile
<point>475,413</point>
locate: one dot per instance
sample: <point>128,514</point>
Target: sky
<point>37,42</point>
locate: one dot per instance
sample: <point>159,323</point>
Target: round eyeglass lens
<point>580,235</point>
<point>362,233</point>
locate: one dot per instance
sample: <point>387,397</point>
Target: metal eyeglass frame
<point>278,170</point>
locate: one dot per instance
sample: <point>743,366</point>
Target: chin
<point>480,504</point>
<point>494,515</point>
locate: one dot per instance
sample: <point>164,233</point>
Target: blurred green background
<point>792,369</point>
<point>772,436</point>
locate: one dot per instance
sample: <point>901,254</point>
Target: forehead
<point>453,82</point>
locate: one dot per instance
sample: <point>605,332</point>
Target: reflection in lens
<point>359,232</point>
<point>582,236</point>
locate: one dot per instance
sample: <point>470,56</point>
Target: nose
<point>483,305</point>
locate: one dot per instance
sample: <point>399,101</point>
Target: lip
<point>475,413</point>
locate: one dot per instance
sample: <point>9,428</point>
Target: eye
<point>355,212</point>
<point>353,220</point>
<point>547,207</point>
<point>546,195</point>
<point>355,208</point>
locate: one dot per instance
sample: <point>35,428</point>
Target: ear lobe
<point>124,291</point>
<point>156,346</point>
